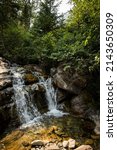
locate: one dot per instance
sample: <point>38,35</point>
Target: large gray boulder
<point>70,80</point>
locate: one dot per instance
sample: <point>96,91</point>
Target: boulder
<point>84,147</point>
<point>70,81</point>
<point>82,104</point>
<point>37,93</point>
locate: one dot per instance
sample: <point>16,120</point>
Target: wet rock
<point>30,78</point>
<point>72,143</point>
<point>37,143</point>
<point>6,96</point>
<point>61,95</point>
<point>37,87</point>
<point>34,68</point>
<point>70,81</point>
<point>37,93</point>
<point>8,114</point>
<point>65,144</point>
<point>84,147</point>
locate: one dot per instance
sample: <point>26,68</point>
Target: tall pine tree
<point>47,18</point>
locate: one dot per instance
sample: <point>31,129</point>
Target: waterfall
<point>51,96</point>
<point>25,107</point>
<point>50,93</point>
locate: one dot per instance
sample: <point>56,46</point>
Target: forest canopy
<point>45,36</point>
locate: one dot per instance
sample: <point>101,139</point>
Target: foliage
<point>18,44</point>
<point>75,44</point>
<point>46,19</point>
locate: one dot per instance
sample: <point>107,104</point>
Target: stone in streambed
<point>84,147</point>
<point>65,144</point>
<point>72,143</point>
<point>37,143</point>
<point>53,147</point>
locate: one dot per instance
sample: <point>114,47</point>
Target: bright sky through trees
<point>65,6</point>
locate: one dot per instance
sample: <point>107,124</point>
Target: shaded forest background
<point>48,38</point>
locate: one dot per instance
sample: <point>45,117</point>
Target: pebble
<point>72,143</point>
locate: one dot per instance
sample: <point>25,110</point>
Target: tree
<point>8,15</point>
<point>47,18</point>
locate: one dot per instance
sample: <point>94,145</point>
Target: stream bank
<point>27,93</point>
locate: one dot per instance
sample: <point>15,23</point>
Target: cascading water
<point>50,93</point>
<point>25,107</point>
<point>51,96</point>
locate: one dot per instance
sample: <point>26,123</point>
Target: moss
<point>30,78</point>
<point>89,142</point>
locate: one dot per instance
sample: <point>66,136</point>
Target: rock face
<point>74,90</point>
<point>82,103</point>
<point>70,81</point>
<point>7,106</point>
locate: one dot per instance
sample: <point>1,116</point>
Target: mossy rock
<point>30,79</point>
<point>89,142</point>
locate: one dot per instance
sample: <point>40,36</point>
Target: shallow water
<point>49,128</point>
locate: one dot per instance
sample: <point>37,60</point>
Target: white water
<point>25,107</point>
<point>50,93</point>
<point>51,97</point>
<point>27,111</point>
